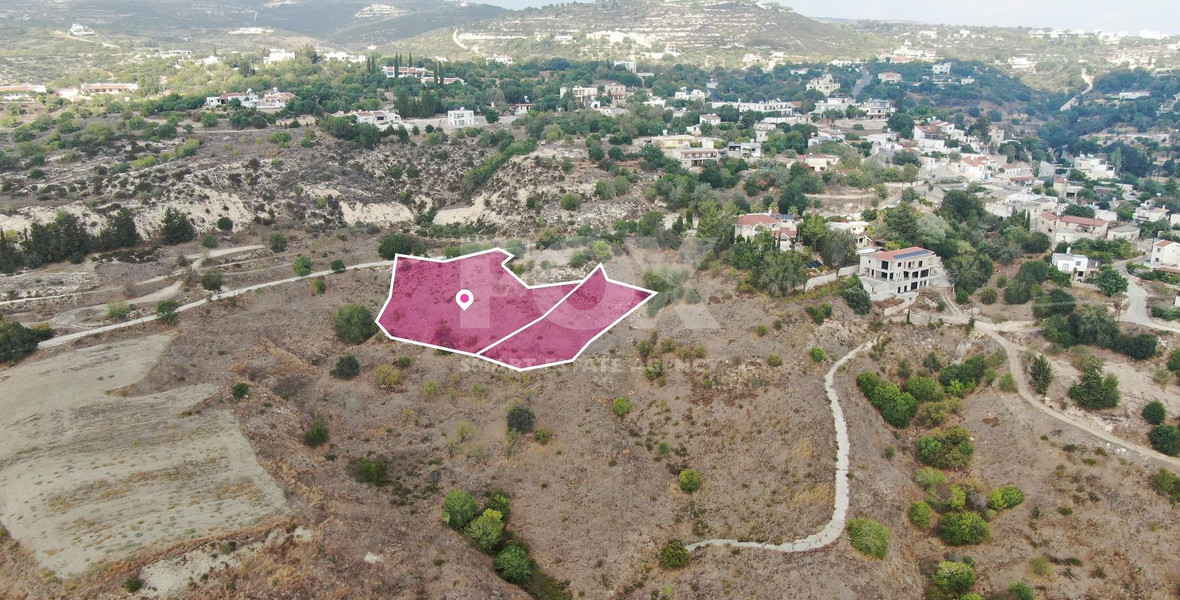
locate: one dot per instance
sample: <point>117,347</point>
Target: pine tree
<point>11,258</point>
<point>1042,374</point>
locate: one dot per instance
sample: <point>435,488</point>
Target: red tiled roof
<point>756,220</point>
<point>1164,243</point>
<point>892,254</point>
<point>1048,216</point>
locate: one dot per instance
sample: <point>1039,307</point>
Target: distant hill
<point>346,22</point>
<point>722,31</point>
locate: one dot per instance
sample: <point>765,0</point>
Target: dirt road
<point>835,526</point>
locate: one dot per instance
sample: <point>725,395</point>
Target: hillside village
<point>903,314</point>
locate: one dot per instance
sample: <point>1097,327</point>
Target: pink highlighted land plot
<point>504,320</point>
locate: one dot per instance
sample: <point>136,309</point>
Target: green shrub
<point>302,265</point>
<point>209,241</point>
<point>277,242</point>
<point>761,330</point>
<point>392,245</point>
<point>963,528</point>
<point>929,478</point>
<point>817,354</point>
<point>337,266</point>
<point>1167,483</point>
<point>869,537</point>
<point>354,324</point>
<point>211,280</point>
<point>819,313</point>
<point>857,298</point>
<point>953,578</point>
<point>240,390</point>
<point>347,367</point>
<point>543,435</point>
<point>317,435</point>
<point>167,313</point>
<point>920,515</point>
<point>133,584</point>
<point>924,389</point>
<point>774,360</point>
<point>225,224</point>
<point>690,480</point>
<point>896,407</point>
<point>988,295</point>
<point>1020,590</point>
<point>500,502</point>
<point>1005,497</point>
<point>1154,413</point>
<point>486,530</point>
<point>621,406</point>
<point>521,418</point>
<point>118,309</point>
<point>459,508</point>
<point>319,286</point>
<point>948,448</point>
<point>674,555</point>
<point>513,564</point>
<point>373,471</point>
<point>1165,439</point>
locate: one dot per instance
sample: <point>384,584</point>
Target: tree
<point>1005,497</point>
<point>812,230</point>
<point>119,232</point>
<point>521,418</point>
<point>277,242</point>
<point>857,297</point>
<point>225,224</point>
<point>317,435</point>
<point>674,555</point>
<point>512,563</point>
<point>176,228</point>
<point>337,266</point>
<point>16,341</point>
<point>392,245</point>
<point>902,124</point>
<point>1041,372</point>
<point>1095,390</point>
<point>459,508</point>
<point>869,537</point>
<point>166,312</point>
<point>347,367</point>
<point>924,389</point>
<point>781,273</point>
<point>354,324</point>
<point>963,528</point>
<point>1154,413</point>
<point>486,530</point>
<point>690,480</point>
<point>1109,281</point>
<point>212,280</point>
<point>1165,439</point>
<point>302,265</point>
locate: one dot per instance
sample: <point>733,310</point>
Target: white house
<point>900,271</point>
<point>461,118</point>
<point>691,96</point>
<point>381,119</point>
<point>941,69</point>
<point>1094,167</point>
<point>820,162</point>
<point>20,93</point>
<point>1165,256</point>
<point>890,77</point>
<point>1074,264</point>
<point>693,157</point>
<point>1144,214</point>
<point>858,229</point>
<point>1126,232</point>
<point>710,120</point>
<point>274,101</point>
<point>974,168</point>
<point>278,55</point>
<point>825,84</point>
<point>247,99</point>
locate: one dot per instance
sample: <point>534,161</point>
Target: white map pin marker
<point>464,298</point>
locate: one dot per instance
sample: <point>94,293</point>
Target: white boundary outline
<point>504,265</point>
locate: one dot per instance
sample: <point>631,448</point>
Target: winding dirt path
<point>835,526</point>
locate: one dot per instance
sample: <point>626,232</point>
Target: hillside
<point>720,31</point>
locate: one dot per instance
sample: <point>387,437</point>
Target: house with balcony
<point>461,118</point>
<point>896,272</point>
<point>108,88</point>
<point>690,157</point>
<point>381,119</point>
<point>826,84</point>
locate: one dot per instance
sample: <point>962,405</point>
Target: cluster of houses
<point>272,101</point>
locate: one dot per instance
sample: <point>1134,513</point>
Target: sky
<point>1109,15</point>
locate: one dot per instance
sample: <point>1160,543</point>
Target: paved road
<point>63,339</point>
<point>1137,308</point>
<point>1016,367</point>
<point>835,526</point>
